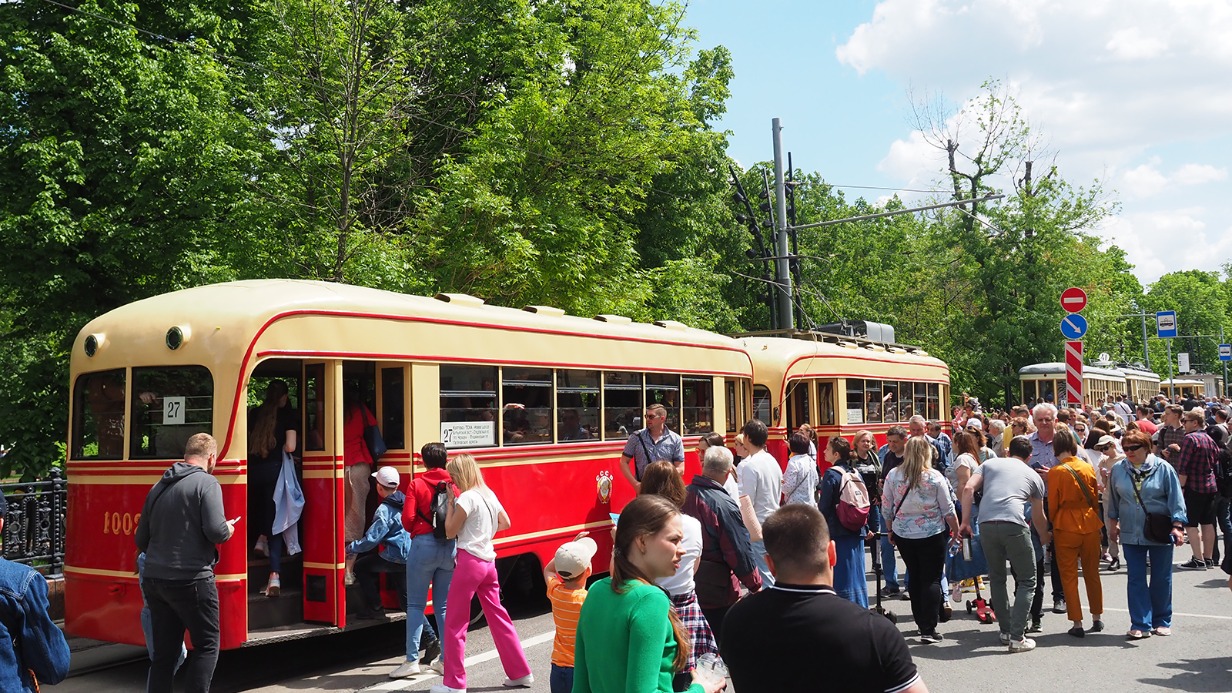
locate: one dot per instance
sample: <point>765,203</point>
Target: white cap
<point>387,477</point>
<point>573,558</point>
<point>975,423</point>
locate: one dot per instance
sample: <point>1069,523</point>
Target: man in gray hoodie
<point>181,523</point>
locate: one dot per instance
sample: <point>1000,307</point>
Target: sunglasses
<point>1103,448</point>
<point>1131,448</point>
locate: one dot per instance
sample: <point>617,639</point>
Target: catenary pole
<point>782,266</point>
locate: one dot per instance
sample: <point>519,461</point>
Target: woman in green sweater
<point>629,639</point>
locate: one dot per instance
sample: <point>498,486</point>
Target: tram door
<point>321,522</point>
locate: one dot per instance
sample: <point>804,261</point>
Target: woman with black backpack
<point>846,531</point>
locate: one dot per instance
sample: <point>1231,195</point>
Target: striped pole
<point>1073,372</point>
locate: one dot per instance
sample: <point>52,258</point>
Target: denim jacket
<point>1161,494</point>
<point>41,646</point>
<point>386,532</point>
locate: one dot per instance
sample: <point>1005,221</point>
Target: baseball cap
<point>573,558</point>
<point>1105,440</point>
<point>387,477</point>
<point>975,423</point>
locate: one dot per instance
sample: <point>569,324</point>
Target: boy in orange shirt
<point>566,576</point>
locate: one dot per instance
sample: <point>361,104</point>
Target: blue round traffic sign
<point>1073,326</point>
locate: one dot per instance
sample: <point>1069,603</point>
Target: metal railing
<point>34,527</point>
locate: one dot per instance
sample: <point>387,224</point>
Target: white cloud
<point>1126,91</point>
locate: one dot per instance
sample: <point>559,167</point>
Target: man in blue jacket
<point>32,649</point>
<point>181,523</point>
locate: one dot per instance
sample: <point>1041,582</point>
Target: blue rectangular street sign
<point>1225,352</point>
<point>1165,324</point>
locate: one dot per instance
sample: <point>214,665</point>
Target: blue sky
<point>1131,92</point>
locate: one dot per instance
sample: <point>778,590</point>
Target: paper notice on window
<point>468,434</point>
<point>855,416</point>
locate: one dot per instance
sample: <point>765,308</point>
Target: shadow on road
<point>1197,675</point>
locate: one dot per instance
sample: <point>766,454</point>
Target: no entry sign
<point>1073,299</point>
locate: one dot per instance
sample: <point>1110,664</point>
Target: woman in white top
<point>966,458</point>
<point>662,479</point>
<point>474,518</point>
<point>800,479</point>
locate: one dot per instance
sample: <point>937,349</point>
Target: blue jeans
<point>759,558</point>
<point>561,680</point>
<point>889,564</point>
<point>1150,606</point>
<point>429,562</point>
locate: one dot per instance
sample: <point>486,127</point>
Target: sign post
<point>1165,328</point>
<point>1073,328</point>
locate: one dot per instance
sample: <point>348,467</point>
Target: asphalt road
<point>1198,657</point>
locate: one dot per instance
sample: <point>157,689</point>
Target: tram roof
<point>251,304</point>
<point>785,350</point>
<point>1057,368</point>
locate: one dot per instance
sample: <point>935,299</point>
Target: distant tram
<point>1045,382</point>
<point>841,384</point>
<point>545,401</point>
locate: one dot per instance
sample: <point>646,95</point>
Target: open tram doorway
<point>268,553</point>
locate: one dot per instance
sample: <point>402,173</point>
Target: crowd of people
<point>754,563</point>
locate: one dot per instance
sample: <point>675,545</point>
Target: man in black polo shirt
<point>772,640</point>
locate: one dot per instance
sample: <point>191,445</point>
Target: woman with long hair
<point>918,508</point>
<point>474,518</point>
<point>271,433</point>
<point>661,479</point>
<point>628,637</point>
<point>849,580</point>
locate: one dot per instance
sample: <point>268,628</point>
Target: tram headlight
<point>94,342</point>
<point>177,335</point>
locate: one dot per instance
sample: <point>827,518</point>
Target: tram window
<point>577,405</point>
<point>921,400</point>
<point>622,404</point>
<point>761,405</point>
<point>98,416</point>
<point>934,402</point>
<point>825,402</point>
<point>169,405</point>
<point>468,406</point>
<point>905,410</point>
<point>698,405</point>
<point>527,397</point>
<point>393,408</point>
<point>889,401</point>
<point>855,401</point>
<point>797,403</point>
<point>732,415</point>
<point>872,401</point>
<point>663,388</point>
<point>1046,393</point>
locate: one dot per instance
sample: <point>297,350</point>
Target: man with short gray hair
<point>726,547</point>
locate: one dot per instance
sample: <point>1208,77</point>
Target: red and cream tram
<point>841,384</point>
<point>544,401</point>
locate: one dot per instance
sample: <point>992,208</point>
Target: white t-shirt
<point>682,581</point>
<point>761,479</point>
<point>732,486</point>
<point>482,508</point>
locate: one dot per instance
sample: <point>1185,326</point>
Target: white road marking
<point>428,674</point>
<point>1178,613</point>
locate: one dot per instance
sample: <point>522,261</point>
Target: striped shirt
<point>566,607</point>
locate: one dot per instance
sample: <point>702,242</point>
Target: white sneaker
<point>523,682</point>
<point>405,670</point>
<point>262,546</point>
<point>442,688</point>
<point>438,666</point>
<point>1024,645</point>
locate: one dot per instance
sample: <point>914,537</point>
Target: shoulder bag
<point>1156,528</point>
<point>1087,492</point>
<point>372,436</point>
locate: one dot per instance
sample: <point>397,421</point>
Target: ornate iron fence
<point>34,527</point>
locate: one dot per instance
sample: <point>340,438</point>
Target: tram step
<point>267,612</point>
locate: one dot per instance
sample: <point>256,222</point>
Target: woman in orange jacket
<point>1076,524</point>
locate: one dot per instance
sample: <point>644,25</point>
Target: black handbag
<point>1156,527</point>
<point>372,438</point>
